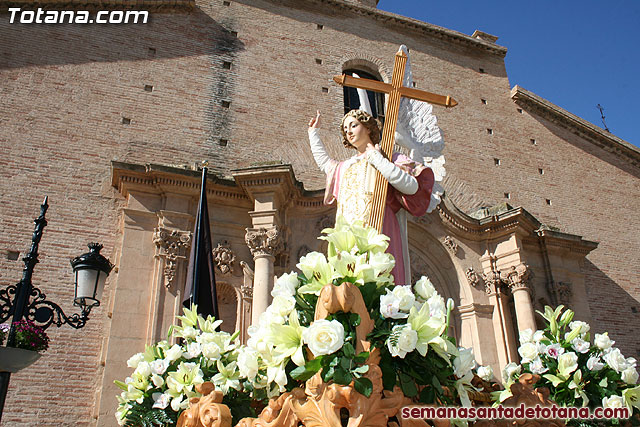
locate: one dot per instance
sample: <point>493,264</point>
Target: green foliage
<point>141,415</point>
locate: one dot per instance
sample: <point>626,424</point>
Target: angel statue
<point>413,179</point>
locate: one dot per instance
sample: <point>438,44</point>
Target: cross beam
<point>395,90</point>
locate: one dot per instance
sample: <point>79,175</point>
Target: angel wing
<point>418,130</point>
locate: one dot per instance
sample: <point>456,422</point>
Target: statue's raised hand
<point>315,122</point>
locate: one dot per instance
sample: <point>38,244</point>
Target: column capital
<point>517,277</point>
<point>265,242</point>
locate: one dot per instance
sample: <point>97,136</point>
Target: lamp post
<point>25,301</point>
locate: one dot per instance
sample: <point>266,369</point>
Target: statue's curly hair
<point>372,124</point>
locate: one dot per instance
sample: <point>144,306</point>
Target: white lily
<point>288,339</point>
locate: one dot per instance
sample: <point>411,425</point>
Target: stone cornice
<point>416,25</point>
<point>495,225</point>
<point>508,222</point>
<point>152,178</point>
<point>569,242</point>
<point>576,125</point>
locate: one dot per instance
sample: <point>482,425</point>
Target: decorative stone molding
<point>326,221</point>
<point>264,242</point>
<point>565,292</point>
<point>492,282</point>
<point>517,277</point>
<point>472,277</point>
<point>451,245</point>
<point>172,246</point>
<point>224,257</point>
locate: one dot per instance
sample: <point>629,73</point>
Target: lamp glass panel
<point>86,283</point>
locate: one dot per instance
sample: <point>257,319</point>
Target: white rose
<point>464,362</point>
<point>135,360</point>
<point>594,363</point>
<point>437,307</point>
<point>161,400</point>
<point>538,336</point>
<point>206,337</point>
<point>526,336</point>
<point>616,360</point>
<point>189,333</point>
<point>584,327</point>
<point>405,297</point>
<point>390,306</point>
<point>248,362</point>
<point>580,345</point>
<point>174,353</point>
<point>602,341</point>
<point>485,372</point>
<point>402,340</point>
<point>630,375</point>
<point>159,366</point>
<point>567,363</point>
<point>537,367</point>
<point>528,351</point>
<point>143,368</point>
<point>424,288</point>
<point>282,306</point>
<point>194,349</point>
<point>510,370</point>
<point>286,285</point>
<point>324,337</point>
<point>211,350</point>
<point>613,402</point>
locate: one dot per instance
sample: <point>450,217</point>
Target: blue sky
<point>575,54</point>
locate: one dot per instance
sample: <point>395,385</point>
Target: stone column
<point>516,278</point>
<point>502,324</point>
<point>265,244</point>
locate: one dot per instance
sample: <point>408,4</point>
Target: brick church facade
<point>110,121</point>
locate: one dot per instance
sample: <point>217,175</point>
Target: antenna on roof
<point>601,108</point>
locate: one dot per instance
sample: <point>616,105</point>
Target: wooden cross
<point>395,90</point>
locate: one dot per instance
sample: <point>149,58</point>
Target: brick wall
<point>67,89</point>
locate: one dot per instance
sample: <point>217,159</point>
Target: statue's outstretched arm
<point>401,180</point>
<point>324,162</point>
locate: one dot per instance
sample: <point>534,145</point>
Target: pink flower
<point>554,350</point>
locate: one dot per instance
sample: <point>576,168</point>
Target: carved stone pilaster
<point>264,242</point>
<point>472,277</point>
<point>492,282</point>
<point>451,245</point>
<point>173,246</point>
<point>517,277</point>
<point>224,257</point>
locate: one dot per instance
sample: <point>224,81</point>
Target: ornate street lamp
<point>25,301</point>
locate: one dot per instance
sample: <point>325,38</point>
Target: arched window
<point>351,100</point>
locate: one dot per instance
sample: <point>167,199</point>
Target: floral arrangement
<point>578,373</point>
<point>410,330</point>
<point>28,335</point>
<point>165,375</point>
<point>287,346</point>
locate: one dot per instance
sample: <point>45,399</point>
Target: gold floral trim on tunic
<point>355,198</point>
